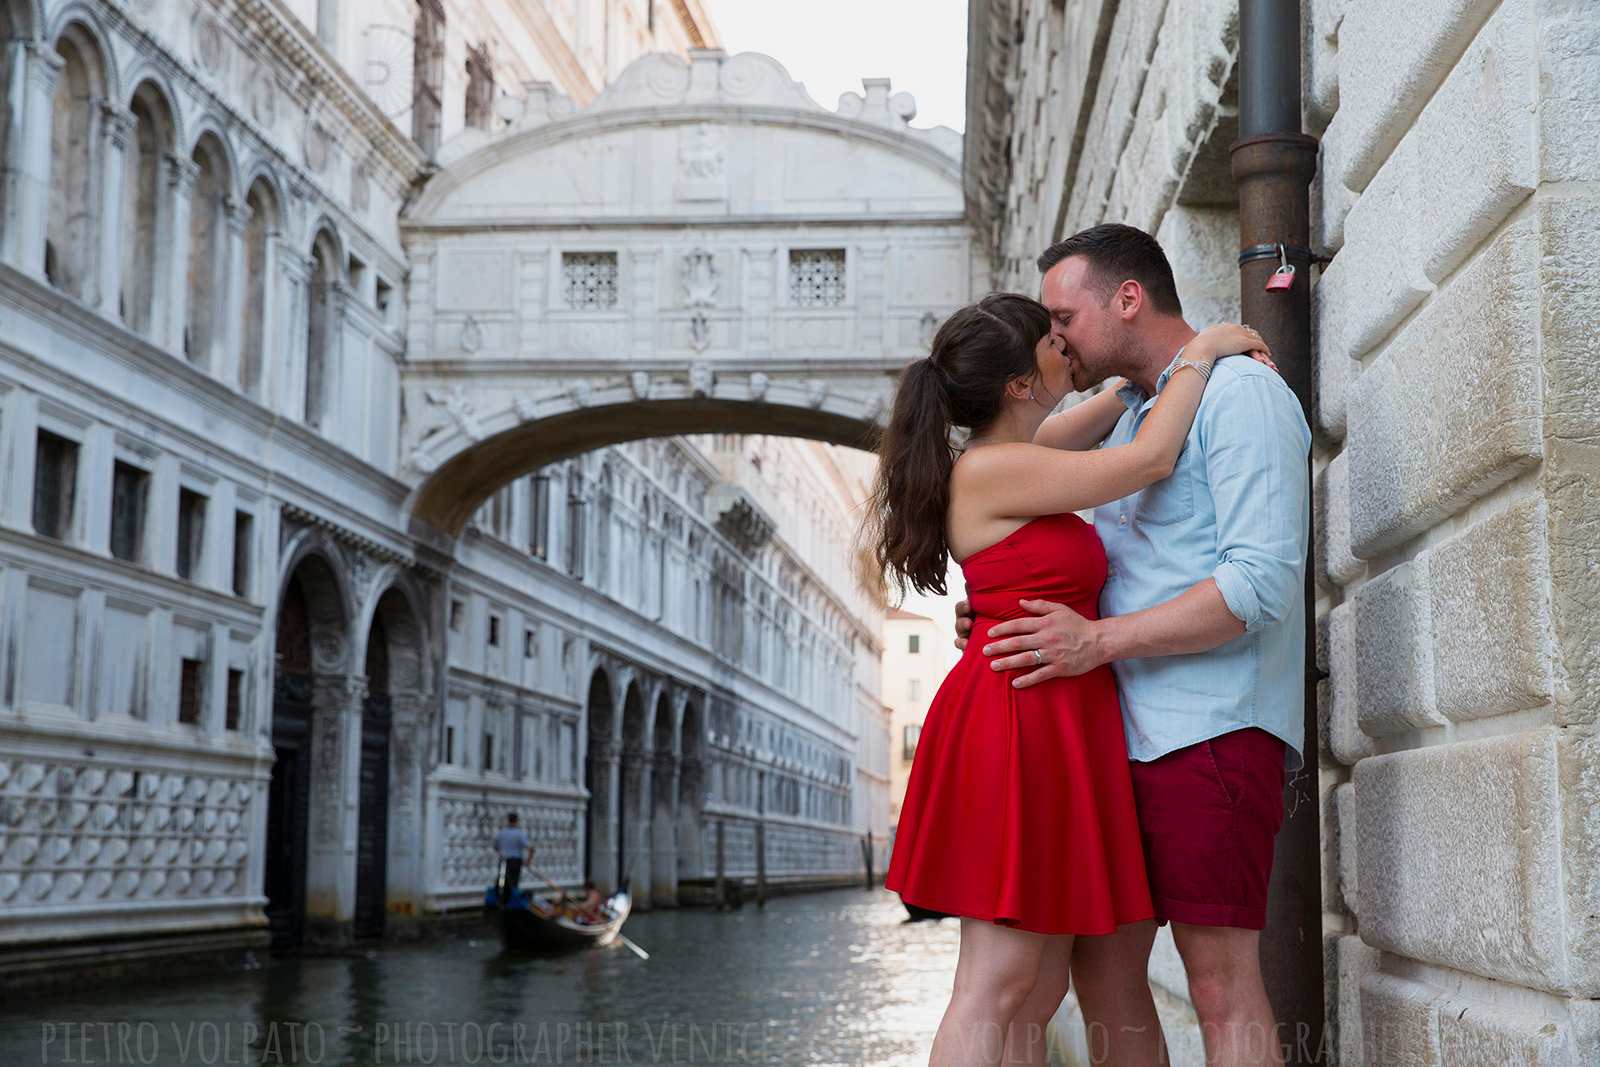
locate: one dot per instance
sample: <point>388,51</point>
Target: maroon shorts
<point>1209,814</point>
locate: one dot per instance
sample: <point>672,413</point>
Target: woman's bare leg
<point>1025,1039</point>
<point>995,975</point>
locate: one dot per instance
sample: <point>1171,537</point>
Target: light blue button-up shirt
<point>1237,510</point>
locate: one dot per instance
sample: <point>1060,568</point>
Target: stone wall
<point>1455,527</point>
<point>1455,461</point>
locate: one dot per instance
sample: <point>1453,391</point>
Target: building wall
<point>1453,518</point>
<point>200,530</point>
<point>910,679</point>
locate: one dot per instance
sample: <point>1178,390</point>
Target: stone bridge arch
<point>702,249</point>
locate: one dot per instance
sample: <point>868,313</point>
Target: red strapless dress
<point>1019,809</point>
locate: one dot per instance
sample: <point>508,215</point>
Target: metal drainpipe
<point>1273,164</point>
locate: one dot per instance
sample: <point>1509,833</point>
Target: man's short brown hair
<point>1117,253</point>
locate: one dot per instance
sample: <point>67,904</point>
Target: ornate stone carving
<point>458,405</point>
<point>471,335</point>
<point>640,382</point>
<point>112,833</point>
<point>759,383</point>
<point>816,392</point>
<point>927,327</point>
<point>210,43</point>
<point>261,93</point>
<point>361,188</point>
<point>701,379</point>
<point>701,163</point>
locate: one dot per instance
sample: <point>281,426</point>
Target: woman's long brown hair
<point>961,383</point>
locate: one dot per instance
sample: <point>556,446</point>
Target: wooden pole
<point>761,863</point>
<point>722,890</point>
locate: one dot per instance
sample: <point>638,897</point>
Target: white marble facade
<point>247,682</point>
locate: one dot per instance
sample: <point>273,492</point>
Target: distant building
<point>916,657</point>
<point>244,690</point>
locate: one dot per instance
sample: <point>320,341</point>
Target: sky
<point>830,45</point>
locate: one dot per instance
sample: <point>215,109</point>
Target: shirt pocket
<point>1171,499</point>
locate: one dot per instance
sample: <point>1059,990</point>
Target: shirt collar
<point>1135,397</point>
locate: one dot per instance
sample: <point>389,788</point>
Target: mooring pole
<point>1273,164</point>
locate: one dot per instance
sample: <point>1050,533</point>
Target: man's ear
<point>1129,298</point>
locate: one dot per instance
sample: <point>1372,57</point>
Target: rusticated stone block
<point>1460,857</point>
<point>1352,961</point>
<point>1424,444</point>
<point>1336,566</point>
<point>1569,277</point>
<point>1398,1023</point>
<point>1347,845</point>
<point>1579,776</point>
<point>1474,181</point>
<point>1389,67</point>
<point>1394,650</point>
<point>1474,1034</point>
<point>1491,616</point>
<point>1569,70</point>
<point>1345,740</point>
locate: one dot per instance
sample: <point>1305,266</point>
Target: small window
<point>235,699</point>
<point>457,610</point>
<point>913,688</point>
<point>383,297</point>
<point>189,692</point>
<point>488,752</point>
<point>358,274</point>
<point>494,631</point>
<point>912,733</point>
<point>55,485</point>
<point>817,277</point>
<point>130,490</point>
<point>589,280</point>
<point>914,644</point>
<point>530,644</point>
<point>449,744</point>
<point>191,531</point>
<point>244,525</point>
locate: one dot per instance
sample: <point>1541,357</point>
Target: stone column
<point>691,787</point>
<point>331,836</point>
<point>406,879</point>
<point>663,831</point>
<point>30,95</point>
<point>116,126</point>
<point>604,789</point>
<point>284,360</point>
<point>172,299</point>
<point>229,332</point>
<point>635,860</point>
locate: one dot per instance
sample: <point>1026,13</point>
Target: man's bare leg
<point>1224,968</point>
<point>1119,1014</point>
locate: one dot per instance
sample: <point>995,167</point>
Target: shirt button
<point>1111,572</point>
<point>1122,520</point>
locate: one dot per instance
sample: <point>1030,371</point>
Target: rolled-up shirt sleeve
<point>1256,444</point>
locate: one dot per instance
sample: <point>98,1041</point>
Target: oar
<point>624,938</point>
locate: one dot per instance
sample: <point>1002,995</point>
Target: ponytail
<point>962,383</point>
<point>906,511</point>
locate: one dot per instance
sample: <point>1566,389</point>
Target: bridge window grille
<point>590,280</point>
<point>817,277</point>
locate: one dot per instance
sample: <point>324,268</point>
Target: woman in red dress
<point>1019,813</point>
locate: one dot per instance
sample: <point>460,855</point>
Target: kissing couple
<point>1109,753</point>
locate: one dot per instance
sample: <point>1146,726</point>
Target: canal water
<point>826,978</point>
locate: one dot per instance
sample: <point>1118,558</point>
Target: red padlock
<point>1282,278</point>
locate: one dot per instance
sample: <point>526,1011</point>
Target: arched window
<point>259,232</point>
<point>208,275</point>
<point>319,286</point>
<point>69,233</point>
<point>143,203</point>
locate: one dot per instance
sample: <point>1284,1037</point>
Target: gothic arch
<point>81,24</point>
<point>399,605</point>
<point>319,558</point>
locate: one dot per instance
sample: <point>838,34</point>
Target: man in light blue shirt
<point>1203,622</point>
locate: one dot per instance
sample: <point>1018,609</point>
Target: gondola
<point>531,924</point>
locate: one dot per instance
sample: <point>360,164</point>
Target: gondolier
<point>512,847</point>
